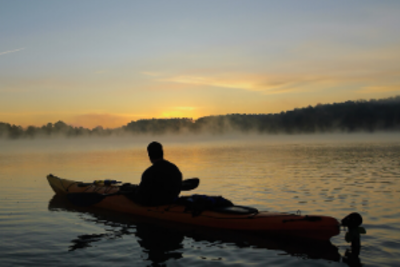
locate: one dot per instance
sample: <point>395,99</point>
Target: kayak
<point>153,232</point>
<point>236,218</point>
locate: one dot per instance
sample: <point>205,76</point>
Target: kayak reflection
<point>162,242</point>
<point>159,243</point>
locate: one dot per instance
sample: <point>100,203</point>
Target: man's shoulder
<point>169,165</point>
<point>149,170</point>
<point>167,162</point>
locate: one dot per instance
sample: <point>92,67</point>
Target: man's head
<point>155,151</point>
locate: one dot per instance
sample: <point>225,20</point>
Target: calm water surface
<point>327,175</point>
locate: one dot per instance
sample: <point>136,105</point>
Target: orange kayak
<point>234,218</point>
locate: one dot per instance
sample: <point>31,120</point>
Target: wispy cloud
<point>286,81</point>
<point>269,84</point>
<point>316,66</point>
<point>11,51</point>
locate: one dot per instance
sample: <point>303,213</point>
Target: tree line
<point>349,116</point>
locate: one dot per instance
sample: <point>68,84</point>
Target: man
<point>161,182</point>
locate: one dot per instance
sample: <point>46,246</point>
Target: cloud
<point>213,81</point>
<point>303,72</point>
<point>266,83</point>
<point>11,51</point>
<point>309,67</point>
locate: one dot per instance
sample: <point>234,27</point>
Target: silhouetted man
<point>161,182</point>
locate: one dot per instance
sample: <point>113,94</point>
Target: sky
<point>96,62</point>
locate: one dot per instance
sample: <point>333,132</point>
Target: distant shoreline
<point>347,117</point>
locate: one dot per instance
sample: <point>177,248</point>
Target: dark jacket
<point>160,184</point>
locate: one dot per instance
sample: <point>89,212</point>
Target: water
<point>328,175</point>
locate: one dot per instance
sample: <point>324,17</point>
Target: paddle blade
<point>85,199</point>
<point>190,184</point>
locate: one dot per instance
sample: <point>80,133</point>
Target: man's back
<point>160,184</point>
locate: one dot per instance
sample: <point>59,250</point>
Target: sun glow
<point>180,112</point>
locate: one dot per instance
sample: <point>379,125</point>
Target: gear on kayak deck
<point>196,204</point>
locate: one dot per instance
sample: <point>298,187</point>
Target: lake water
<point>327,175</point>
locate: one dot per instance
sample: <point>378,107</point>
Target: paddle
<point>84,199</point>
<point>190,184</point>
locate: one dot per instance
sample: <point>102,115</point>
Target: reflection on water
<point>160,244</point>
<point>276,174</point>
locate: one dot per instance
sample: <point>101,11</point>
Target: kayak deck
<point>268,223</point>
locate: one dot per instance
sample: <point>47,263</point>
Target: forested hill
<point>350,116</point>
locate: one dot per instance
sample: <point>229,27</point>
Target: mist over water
<point>62,144</point>
<point>330,174</point>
